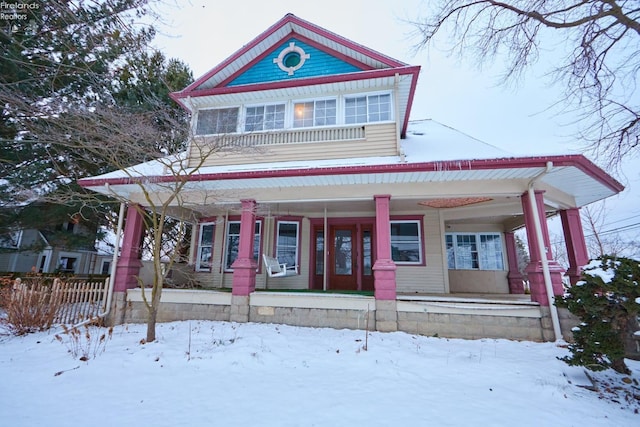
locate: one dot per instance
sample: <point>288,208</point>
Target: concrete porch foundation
<point>447,316</point>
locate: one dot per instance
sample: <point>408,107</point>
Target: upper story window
<point>314,113</point>
<point>347,110</point>
<point>474,251</point>
<point>221,120</point>
<point>365,109</point>
<point>264,117</point>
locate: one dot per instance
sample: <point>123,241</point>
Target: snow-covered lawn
<point>202,373</point>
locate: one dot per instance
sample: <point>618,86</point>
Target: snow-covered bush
<point>607,302</point>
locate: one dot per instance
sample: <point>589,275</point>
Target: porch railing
<point>343,133</point>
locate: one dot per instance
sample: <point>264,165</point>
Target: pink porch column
<point>244,267</point>
<point>384,269</point>
<point>575,243</point>
<point>514,277</point>
<point>534,269</point>
<point>129,264</point>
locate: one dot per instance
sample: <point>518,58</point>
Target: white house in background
<point>324,172</point>
<point>48,251</point>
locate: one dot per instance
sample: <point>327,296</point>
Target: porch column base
<point>239,308</point>
<point>244,277</point>
<point>537,285</point>
<point>127,272</point>
<point>386,316</point>
<point>516,283</point>
<point>384,276</point>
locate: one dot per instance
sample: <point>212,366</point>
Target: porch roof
<point>432,153</point>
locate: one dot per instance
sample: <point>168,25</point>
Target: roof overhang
<point>572,181</point>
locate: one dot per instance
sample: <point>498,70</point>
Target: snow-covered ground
<point>203,373</point>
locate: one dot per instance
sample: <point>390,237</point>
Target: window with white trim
<point>287,242</point>
<point>474,251</point>
<point>233,241</point>
<point>314,113</point>
<point>264,117</point>
<point>205,246</point>
<point>367,109</point>
<point>216,121</point>
<point>406,242</point>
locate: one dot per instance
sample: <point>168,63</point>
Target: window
<point>105,269</point>
<point>233,240</point>
<point>67,264</point>
<point>365,109</point>
<point>266,117</point>
<point>205,247</point>
<point>314,113</point>
<point>223,120</point>
<point>474,251</point>
<point>406,242</point>
<point>287,242</point>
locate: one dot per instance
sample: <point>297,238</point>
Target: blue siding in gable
<point>318,64</point>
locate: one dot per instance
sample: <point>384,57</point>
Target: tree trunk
<point>151,323</point>
<point>630,341</point>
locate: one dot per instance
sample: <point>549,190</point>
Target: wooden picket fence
<point>74,300</point>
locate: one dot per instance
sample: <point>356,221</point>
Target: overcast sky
<point>456,93</point>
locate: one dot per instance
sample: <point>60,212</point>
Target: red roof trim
<point>577,161</point>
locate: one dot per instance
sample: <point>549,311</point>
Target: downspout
<point>114,266</point>
<point>543,253</point>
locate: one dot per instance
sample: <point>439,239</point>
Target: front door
<point>343,258</point>
<point>349,256</point>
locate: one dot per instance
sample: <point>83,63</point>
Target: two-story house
<point>319,167</point>
<point>43,238</point>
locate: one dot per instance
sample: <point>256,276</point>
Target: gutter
<point>543,253</point>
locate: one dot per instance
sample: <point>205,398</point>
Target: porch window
<point>265,117</point>
<point>474,251</point>
<point>287,242</point>
<point>314,113</point>
<point>233,240</point>
<point>221,120</point>
<point>406,246</point>
<point>366,109</point>
<point>205,247</point>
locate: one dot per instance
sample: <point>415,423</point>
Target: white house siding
<point>429,278</point>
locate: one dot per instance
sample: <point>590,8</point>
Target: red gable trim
<point>363,75</point>
<point>293,20</point>
<point>577,161</point>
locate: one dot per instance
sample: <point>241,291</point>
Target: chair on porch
<point>276,269</point>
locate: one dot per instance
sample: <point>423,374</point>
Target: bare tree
<point>604,238</point>
<point>131,143</point>
<point>600,41</point>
